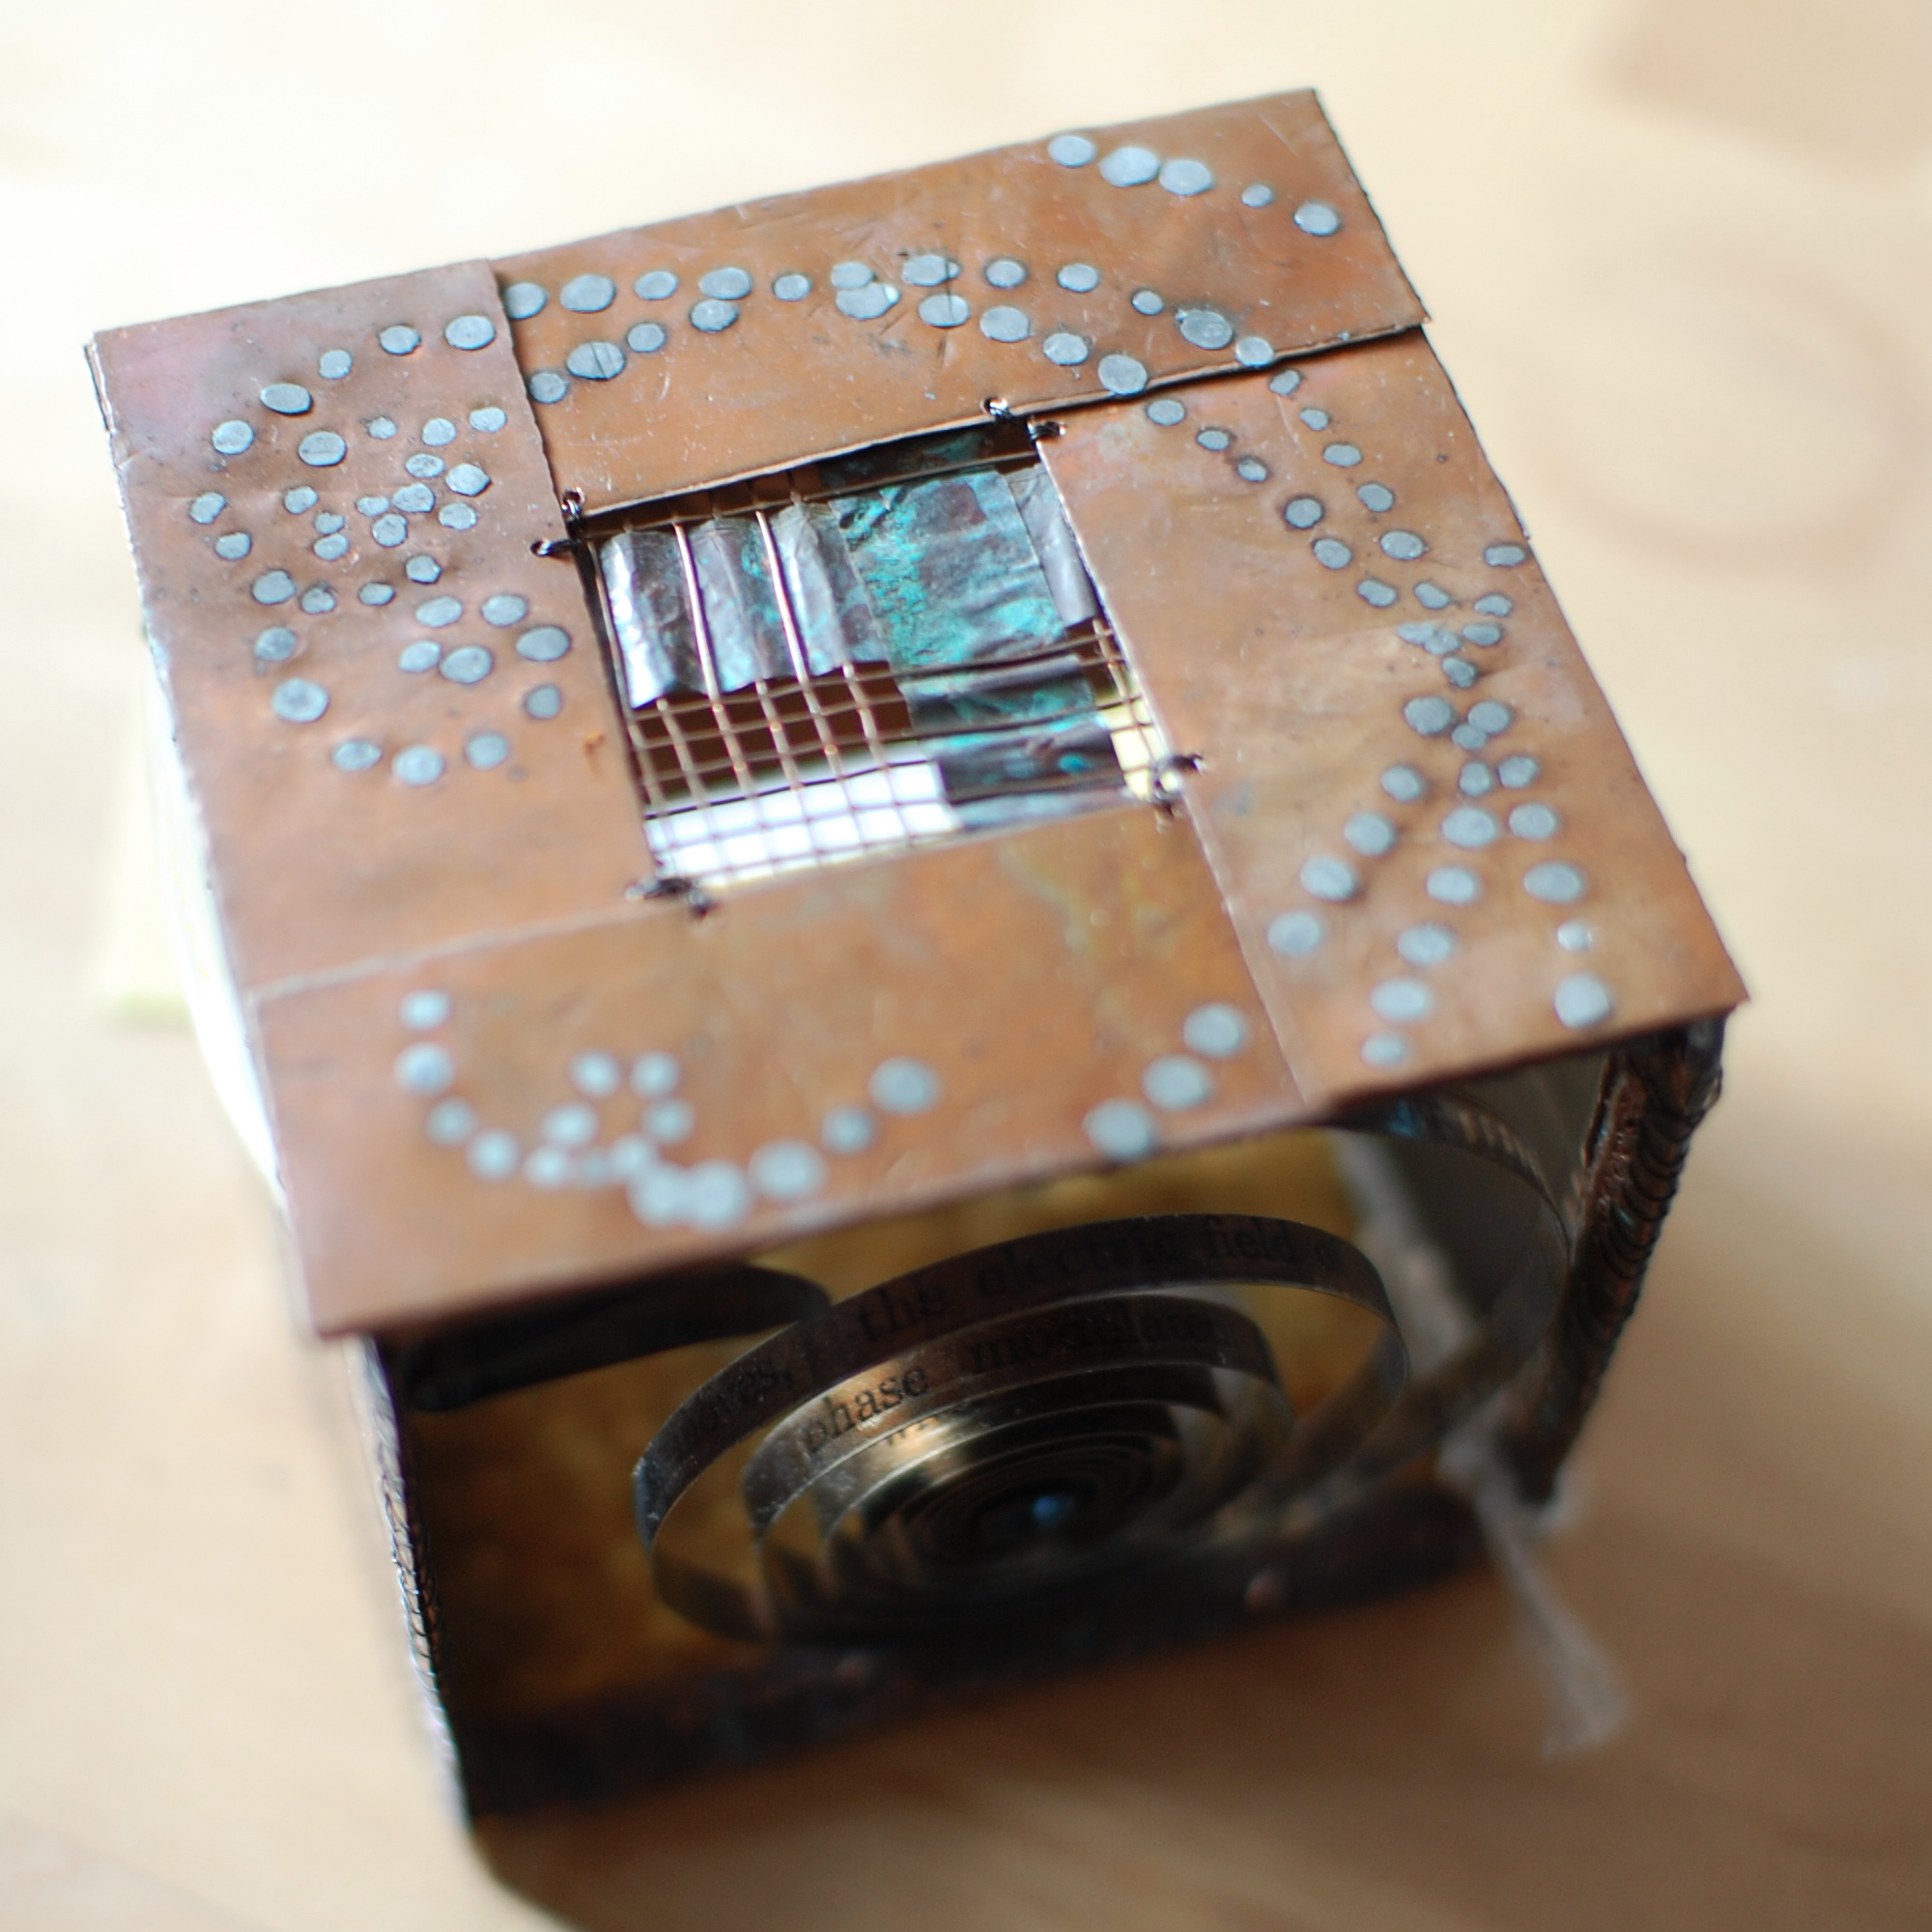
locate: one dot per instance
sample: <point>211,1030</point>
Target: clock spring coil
<point>988,1436</point>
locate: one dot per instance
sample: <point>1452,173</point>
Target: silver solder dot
<point>1583,1001</point>
<point>1402,1001</point>
<point>787,1170</point>
<point>1554,883</point>
<point>1217,1031</point>
<point>451,1122</point>
<point>595,361</point>
<point>1186,177</point>
<point>1384,1049</point>
<point>1426,944</point>
<point>424,1008</point>
<point>424,1069</point>
<point>470,331</point>
<point>1130,166</point>
<point>493,1154</point>
<point>417,765</point>
<point>1331,879</point>
<point>1295,935</point>
<point>1470,827</point>
<point>1370,833</point>
<point>1122,1130</point>
<point>903,1085</point>
<point>653,1075</point>
<point>299,701</point>
<point>1177,1082</point>
<point>572,1124</point>
<point>598,1075</point>
<point>944,310</point>
<point>1454,885</point>
<point>848,1130</point>
<point>1206,328</point>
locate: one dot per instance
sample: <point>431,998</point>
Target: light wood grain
<point>1680,293</point>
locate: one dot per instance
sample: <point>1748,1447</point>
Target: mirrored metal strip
<point>975,1293</point>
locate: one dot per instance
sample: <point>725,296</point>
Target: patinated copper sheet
<point>1036,975</point>
<point>316,867</point>
<point>790,380</point>
<point>378,831</point>
<point>1292,687</point>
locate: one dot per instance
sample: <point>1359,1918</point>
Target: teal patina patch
<point>950,571</point>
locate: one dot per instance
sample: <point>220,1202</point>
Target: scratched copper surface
<point>316,866</point>
<point>1271,667</point>
<point>791,380</point>
<point>1036,973</point>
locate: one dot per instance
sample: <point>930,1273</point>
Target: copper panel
<point>1289,678</point>
<point>1035,974</point>
<point>790,380</point>
<point>318,866</point>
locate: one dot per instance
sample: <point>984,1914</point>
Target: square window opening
<point>858,656</point>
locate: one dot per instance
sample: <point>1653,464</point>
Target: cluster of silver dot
<point>639,1094</point>
<point>863,293</point>
<point>1172,1082</point>
<point>304,701</point>
<point>1488,804</point>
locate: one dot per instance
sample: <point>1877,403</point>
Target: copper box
<point>929,860</point>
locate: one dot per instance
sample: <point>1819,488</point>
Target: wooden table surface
<point>1680,253</point>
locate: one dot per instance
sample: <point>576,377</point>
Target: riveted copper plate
<point>316,867</point>
<point>1036,975</point>
<point>1288,669</point>
<point>788,381</point>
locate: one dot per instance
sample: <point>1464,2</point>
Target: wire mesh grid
<point>801,767</point>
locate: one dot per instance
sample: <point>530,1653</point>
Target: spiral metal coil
<point>989,1436</point>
